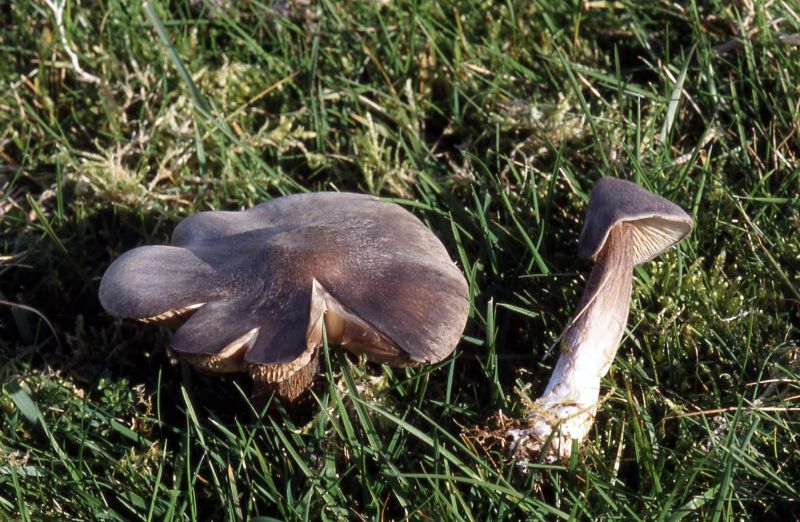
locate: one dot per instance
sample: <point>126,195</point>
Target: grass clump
<point>491,121</point>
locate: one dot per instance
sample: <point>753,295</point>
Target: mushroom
<point>253,289</point>
<point>625,226</point>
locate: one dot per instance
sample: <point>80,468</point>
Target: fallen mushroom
<point>254,288</point>
<point>625,225</point>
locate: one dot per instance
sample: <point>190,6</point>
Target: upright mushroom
<point>255,287</point>
<point>625,225</point>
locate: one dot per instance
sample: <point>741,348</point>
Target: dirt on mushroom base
<point>492,437</point>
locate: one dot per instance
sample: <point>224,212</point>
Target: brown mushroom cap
<point>259,282</point>
<point>657,223</point>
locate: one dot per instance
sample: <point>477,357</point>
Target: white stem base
<point>566,410</point>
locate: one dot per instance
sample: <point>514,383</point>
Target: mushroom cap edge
<point>659,223</point>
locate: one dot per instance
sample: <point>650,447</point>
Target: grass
<point>491,122</point>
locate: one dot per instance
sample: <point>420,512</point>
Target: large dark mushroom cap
<point>657,223</point>
<point>263,278</point>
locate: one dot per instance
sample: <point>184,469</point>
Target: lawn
<point>490,121</point>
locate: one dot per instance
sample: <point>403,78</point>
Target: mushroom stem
<point>567,408</point>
